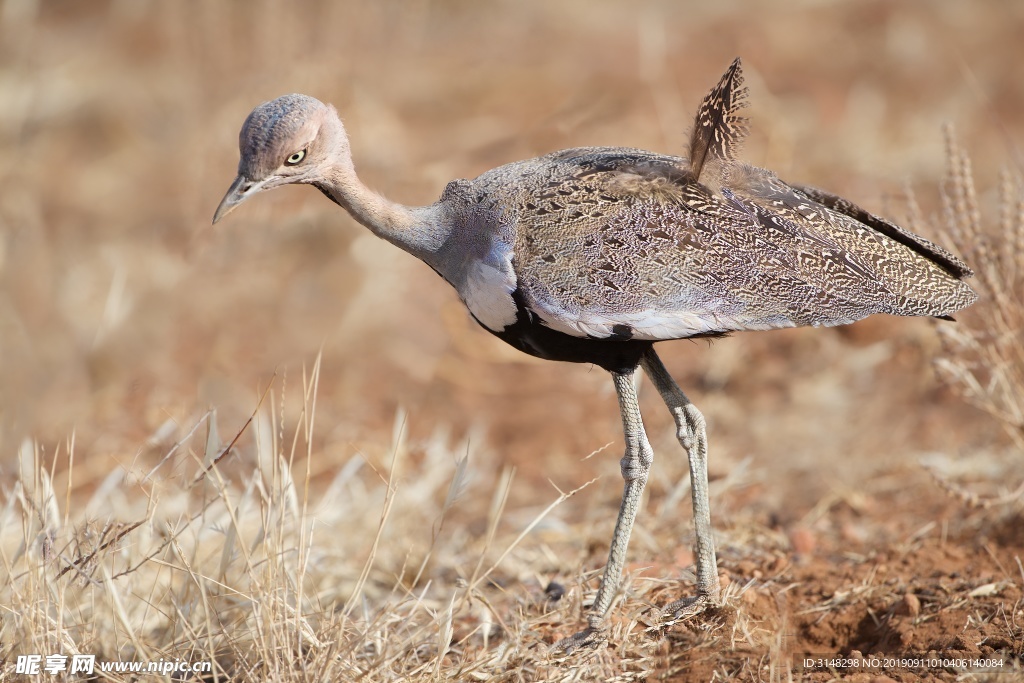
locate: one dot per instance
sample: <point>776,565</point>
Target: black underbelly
<point>543,342</point>
<point>529,335</point>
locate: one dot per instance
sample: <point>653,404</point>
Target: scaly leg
<point>690,430</point>
<point>635,466</point>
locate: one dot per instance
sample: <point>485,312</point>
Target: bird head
<point>292,139</point>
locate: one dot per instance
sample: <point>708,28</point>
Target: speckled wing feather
<point>613,242</point>
<point>862,257</point>
<point>954,265</point>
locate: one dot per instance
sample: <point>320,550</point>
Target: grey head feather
<point>276,129</point>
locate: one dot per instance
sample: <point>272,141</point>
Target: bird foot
<point>685,609</point>
<point>590,637</point>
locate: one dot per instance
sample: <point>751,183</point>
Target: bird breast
<point>476,257</point>
<point>488,287</point>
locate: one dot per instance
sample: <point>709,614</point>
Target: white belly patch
<point>488,290</point>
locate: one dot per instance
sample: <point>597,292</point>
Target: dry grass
<point>263,578</point>
<point>203,450</point>
<point>370,578</point>
<point>984,355</point>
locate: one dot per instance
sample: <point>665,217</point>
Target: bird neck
<point>417,230</point>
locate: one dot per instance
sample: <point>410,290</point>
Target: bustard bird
<point>593,254</point>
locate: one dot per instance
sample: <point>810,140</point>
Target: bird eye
<point>295,158</point>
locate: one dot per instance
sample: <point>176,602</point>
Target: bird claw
<point>591,637</point>
<point>685,609</point>
<point>677,612</point>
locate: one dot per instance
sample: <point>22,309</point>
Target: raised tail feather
<point>718,129</point>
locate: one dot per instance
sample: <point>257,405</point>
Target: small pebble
<point>554,591</point>
<point>803,541</point>
<point>909,605</point>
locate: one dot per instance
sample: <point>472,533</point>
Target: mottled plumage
<point>594,254</point>
<point>606,237</point>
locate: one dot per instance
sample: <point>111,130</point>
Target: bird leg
<point>690,430</point>
<point>635,466</point>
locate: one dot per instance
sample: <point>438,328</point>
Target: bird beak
<point>240,190</point>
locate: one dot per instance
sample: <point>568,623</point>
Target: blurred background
<point>124,315</point>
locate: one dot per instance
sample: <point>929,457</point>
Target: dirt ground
<point>863,508</point>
